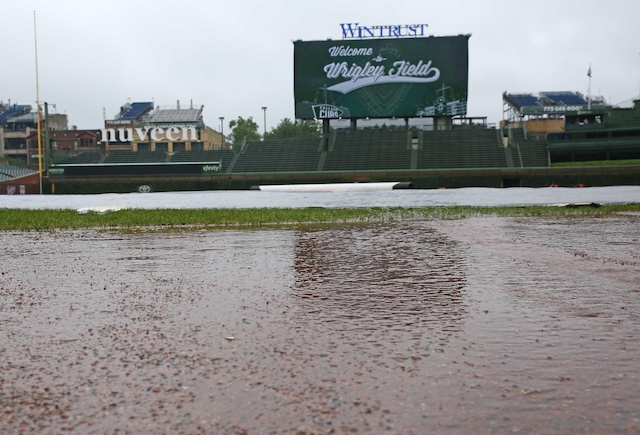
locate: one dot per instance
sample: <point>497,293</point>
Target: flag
<point>589,72</point>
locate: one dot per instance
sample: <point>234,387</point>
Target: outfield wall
<point>425,179</point>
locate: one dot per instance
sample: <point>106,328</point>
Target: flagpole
<point>35,40</point>
<point>589,90</point>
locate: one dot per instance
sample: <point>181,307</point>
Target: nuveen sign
<point>155,134</point>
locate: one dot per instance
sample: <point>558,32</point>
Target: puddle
<point>481,324</point>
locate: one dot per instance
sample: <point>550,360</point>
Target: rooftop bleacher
<point>136,110</point>
<point>564,98</point>
<point>12,111</point>
<point>176,115</point>
<point>522,100</point>
<point>26,118</point>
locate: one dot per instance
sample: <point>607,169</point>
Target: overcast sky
<point>235,57</point>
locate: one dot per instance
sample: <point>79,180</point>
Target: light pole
<point>264,110</point>
<point>222,130</point>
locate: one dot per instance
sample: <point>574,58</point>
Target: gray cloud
<point>236,59</point>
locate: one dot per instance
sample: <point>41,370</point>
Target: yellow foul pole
<point>35,39</point>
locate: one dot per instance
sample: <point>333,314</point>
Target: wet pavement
<point>483,325</point>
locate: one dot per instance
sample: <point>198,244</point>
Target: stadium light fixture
<point>222,129</point>
<point>264,110</point>
<point>39,119</point>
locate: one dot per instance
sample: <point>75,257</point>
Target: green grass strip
<point>158,219</point>
<point>628,162</point>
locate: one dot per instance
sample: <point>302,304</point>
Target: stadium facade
<point>347,85</point>
<point>141,127</point>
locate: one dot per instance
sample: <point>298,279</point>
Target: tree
<point>243,128</point>
<point>288,129</point>
<point>13,161</point>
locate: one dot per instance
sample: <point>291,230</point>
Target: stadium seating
<point>369,150</point>
<point>9,172</point>
<point>357,151</point>
<point>135,157</point>
<point>528,152</point>
<point>11,111</point>
<point>286,155</point>
<point>522,100</point>
<point>364,150</point>
<point>83,158</point>
<point>223,156</point>
<point>136,110</point>
<point>564,98</point>
<point>463,148</point>
<point>176,115</point>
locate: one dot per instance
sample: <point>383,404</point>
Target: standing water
<point>484,325</point>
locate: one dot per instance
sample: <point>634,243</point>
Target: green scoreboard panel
<point>381,78</point>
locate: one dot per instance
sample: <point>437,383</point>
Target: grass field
<point>167,219</point>
<point>629,162</point>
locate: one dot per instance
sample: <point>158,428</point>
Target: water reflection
<point>325,330</point>
<point>405,277</point>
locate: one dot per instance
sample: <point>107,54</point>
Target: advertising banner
<point>381,78</point>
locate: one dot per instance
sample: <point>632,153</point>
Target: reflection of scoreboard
<point>381,78</point>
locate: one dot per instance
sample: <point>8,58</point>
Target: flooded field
<point>484,325</point>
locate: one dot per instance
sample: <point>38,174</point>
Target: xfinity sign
<point>357,31</point>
